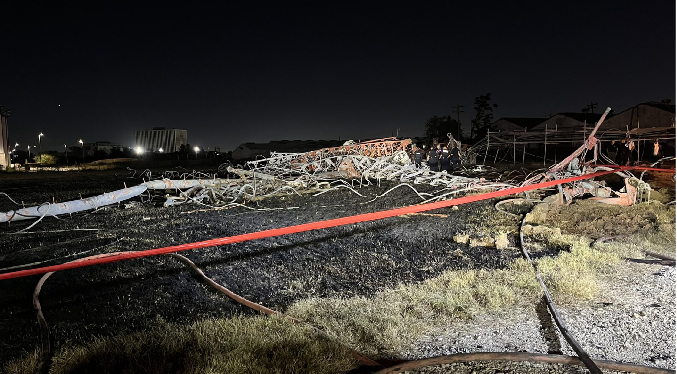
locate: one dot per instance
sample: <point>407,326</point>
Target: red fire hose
<point>316,225</point>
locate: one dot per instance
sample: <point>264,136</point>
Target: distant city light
<point>139,150</point>
<point>160,150</point>
<point>197,149</point>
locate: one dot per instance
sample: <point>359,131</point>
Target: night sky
<point>260,71</point>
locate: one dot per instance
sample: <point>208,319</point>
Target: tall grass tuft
<point>231,345</point>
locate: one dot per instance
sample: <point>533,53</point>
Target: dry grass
<point>30,363</point>
<point>574,273</point>
<point>384,324</point>
<point>594,220</point>
<point>233,345</point>
<point>380,326</point>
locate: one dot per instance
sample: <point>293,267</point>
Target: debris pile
<point>635,190</point>
<point>350,166</point>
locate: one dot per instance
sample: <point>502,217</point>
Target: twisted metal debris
<point>350,166</point>
<point>635,189</point>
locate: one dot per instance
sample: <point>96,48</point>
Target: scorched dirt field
<point>358,260</point>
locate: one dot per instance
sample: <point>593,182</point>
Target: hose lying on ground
<point>582,354</point>
<point>260,308</point>
<point>520,357</point>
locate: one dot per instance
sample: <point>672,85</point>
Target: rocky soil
<point>632,321</point>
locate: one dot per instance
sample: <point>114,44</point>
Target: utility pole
<point>458,110</point>
<point>592,107</point>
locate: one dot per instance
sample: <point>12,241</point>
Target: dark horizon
<point>236,73</point>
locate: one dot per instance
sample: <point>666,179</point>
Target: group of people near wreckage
<point>624,152</point>
<point>438,158</point>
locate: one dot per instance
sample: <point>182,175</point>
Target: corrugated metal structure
<point>516,123</point>
<point>644,115</point>
<point>515,138</point>
<point>170,140</point>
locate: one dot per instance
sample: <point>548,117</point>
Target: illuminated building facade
<point>160,139</point>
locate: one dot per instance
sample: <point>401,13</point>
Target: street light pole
<point>66,148</point>
<point>40,146</point>
<point>29,153</point>
<point>83,150</point>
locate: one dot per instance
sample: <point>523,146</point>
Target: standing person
<point>433,160</point>
<point>657,151</point>
<point>611,150</point>
<point>445,160</point>
<point>455,158</point>
<point>418,157</point>
<point>630,154</point>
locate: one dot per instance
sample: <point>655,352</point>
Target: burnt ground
<point>80,304</point>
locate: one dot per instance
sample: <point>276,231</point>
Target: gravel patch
<point>632,320</point>
<point>503,367</point>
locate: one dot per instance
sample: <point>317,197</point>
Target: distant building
<point>516,123</point>
<point>642,116</point>
<point>249,151</point>
<point>569,122</point>
<point>4,140</point>
<point>558,135</point>
<point>170,140</point>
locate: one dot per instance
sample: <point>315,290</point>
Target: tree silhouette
<point>439,127</point>
<point>46,159</point>
<point>484,115</point>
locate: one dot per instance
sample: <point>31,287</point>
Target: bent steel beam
<point>72,206</point>
<point>108,198</point>
<point>169,184</point>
